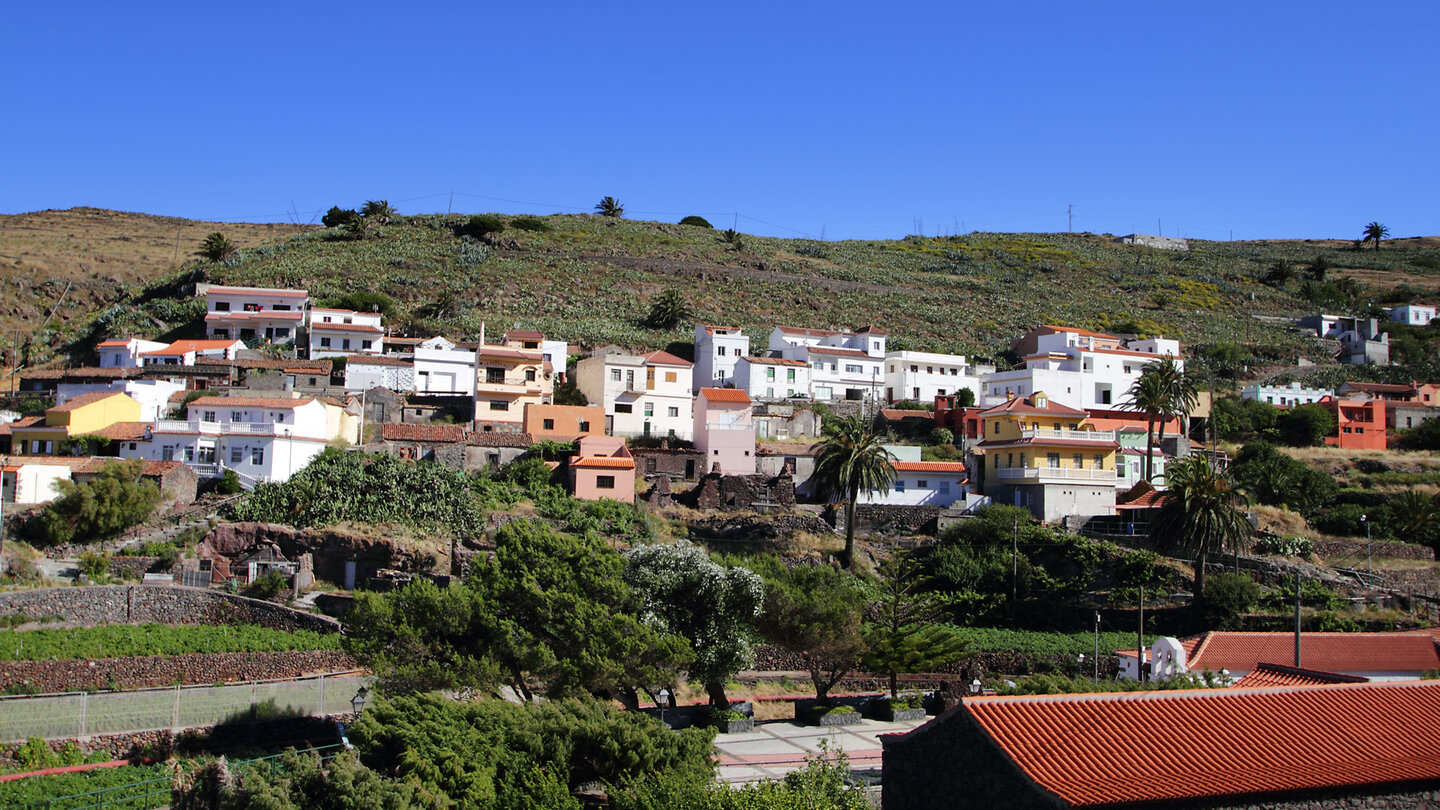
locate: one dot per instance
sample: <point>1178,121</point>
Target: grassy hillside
<point>589,280</point>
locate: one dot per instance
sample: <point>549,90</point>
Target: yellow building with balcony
<point>1047,458</point>
<point>507,378</point>
<point>78,416</point>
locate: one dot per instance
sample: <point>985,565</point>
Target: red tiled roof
<point>265,315</point>
<point>422,433</point>
<point>725,395</point>
<point>1147,501</point>
<point>664,358</point>
<point>1044,442</point>
<point>114,343</point>
<point>775,361</point>
<point>346,327</point>
<point>181,347</point>
<point>929,466</point>
<point>83,400</point>
<point>523,334</point>
<point>1027,405</point>
<point>73,462</point>
<point>483,439</point>
<point>376,360</point>
<point>604,462</point>
<point>122,431</point>
<point>797,330</point>
<point>273,292</point>
<point>1088,749</point>
<point>507,353</point>
<point>841,352</point>
<point>253,403</point>
<point>95,464</point>
<point>897,414</point>
<point>1078,331</point>
<point>1383,388</point>
<point>1330,652</point>
<point>1281,675</point>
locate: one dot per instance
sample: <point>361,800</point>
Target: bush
<point>112,502</point>
<point>535,224</point>
<point>229,483</point>
<point>1284,546</point>
<point>482,224</point>
<point>338,217</point>
<point>1227,597</point>
<point>699,222</point>
<point>268,586</point>
<point>1305,426</point>
<point>941,436</point>
<point>1342,520</point>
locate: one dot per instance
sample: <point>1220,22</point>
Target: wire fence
<point>86,714</point>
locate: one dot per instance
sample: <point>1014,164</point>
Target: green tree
<point>733,238</point>
<point>216,247</point>
<point>1163,392</point>
<point>365,301</point>
<point>1198,515</point>
<point>1281,271</point>
<point>609,207</point>
<point>965,398</point>
<point>297,781</point>
<point>113,501</point>
<point>482,224</point>
<point>1273,478</point>
<point>1305,425</point>
<point>1424,436</point>
<point>668,310</point>
<point>1319,268</point>
<point>698,222</point>
<point>814,611</point>
<point>822,784</point>
<point>1415,517</point>
<point>378,211</point>
<point>712,606</point>
<point>338,217</point>
<point>1374,232</point>
<point>567,394</point>
<point>902,634</point>
<point>851,460</point>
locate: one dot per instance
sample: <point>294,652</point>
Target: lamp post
<point>976,687</point>
<point>358,702</point>
<point>1097,647</point>
<point>1365,520</point>
<point>662,699</point>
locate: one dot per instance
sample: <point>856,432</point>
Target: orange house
<point>603,468</point>
<point>563,423</point>
<point>1361,423</point>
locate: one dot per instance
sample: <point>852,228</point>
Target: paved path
<point>777,747</point>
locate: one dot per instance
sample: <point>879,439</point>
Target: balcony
<point>515,389</point>
<point>1042,434</point>
<point>223,428</point>
<point>746,427</point>
<point>1044,474</point>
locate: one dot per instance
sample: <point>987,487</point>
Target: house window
<point>207,416</point>
<point>1099,461</point>
<point>495,376</point>
<point>721,351</point>
<point>770,393</point>
<point>922,484</point>
<point>604,482</point>
<point>899,485</point>
<point>324,343</point>
<point>790,375</point>
<point>1053,459</point>
<point>549,424</point>
<point>624,408</point>
<point>257,455</point>
<point>770,373</point>
<point>499,405</point>
<point>584,427</point>
<point>167,453</point>
<point>282,331</point>
<point>650,465</point>
<point>854,368</point>
<point>672,411</point>
<point>279,417</point>
<point>365,344</point>
<point>1009,459</point>
<point>670,376</point>
<point>529,375</point>
<point>235,455</point>
<point>615,374</point>
<point>189,455</point>
<point>325,319</point>
<point>222,306</point>
<point>649,409</point>
<point>1079,461</point>
<point>944,487</point>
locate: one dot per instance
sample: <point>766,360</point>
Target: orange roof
<point>122,431</point>
<point>797,330</point>
<point>929,466</point>
<point>1330,652</point>
<point>725,395</point>
<point>422,433</point>
<point>841,352</point>
<point>775,361</point>
<point>896,414</point>
<point>1210,743</point>
<point>83,400</point>
<point>187,346</point>
<point>1078,331</point>
<point>273,292</point>
<point>264,315</point>
<point>507,353</point>
<point>523,334</point>
<point>253,403</point>
<point>664,358</point>
<point>1027,405</point>
<point>604,462</point>
<point>1281,675</point>
<point>115,342</point>
<point>346,327</point>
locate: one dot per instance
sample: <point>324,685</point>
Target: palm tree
<point>378,210</point>
<point>609,207</point>
<point>732,237</point>
<point>216,247</point>
<point>1374,232</point>
<point>851,460</point>
<point>1198,514</point>
<point>668,310</point>
<point>1416,515</point>
<point>1319,268</point>
<point>1281,271</point>
<point>1164,392</point>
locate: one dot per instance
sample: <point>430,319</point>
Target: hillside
<point>589,280</point>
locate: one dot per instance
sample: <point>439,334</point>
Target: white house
<point>1077,368</point>
<point>922,376</point>
<point>258,314</point>
<point>125,353</point>
<point>441,368</point>
<point>1285,395</point>
<point>260,438</point>
<point>32,479</point>
<point>557,354</point>
<point>717,349</point>
<point>1412,314</point>
<point>922,483</point>
<point>843,365</point>
<point>364,371</point>
<point>769,378</point>
<point>335,332</point>
<point>643,395</point>
<point>152,394</point>
<point>188,352</point>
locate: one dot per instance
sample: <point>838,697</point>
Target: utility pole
<point>1070,218</point>
<point>450,205</point>
<point>1014,567</point>
<point>1140,640</point>
<point>1297,618</point>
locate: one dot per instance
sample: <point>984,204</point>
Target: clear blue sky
<point>855,120</point>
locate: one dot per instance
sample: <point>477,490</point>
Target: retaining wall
<point>139,604</point>
<point>141,672</point>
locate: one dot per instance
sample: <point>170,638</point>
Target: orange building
<point>563,423</point>
<point>1361,423</point>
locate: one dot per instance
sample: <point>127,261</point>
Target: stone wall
<point>770,658</point>
<point>143,672</point>
<point>686,463</point>
<point>757,528</point>
<point>299,732</point>
<point>329,549</point>
<point>886,519</point>
<point>126,567</point>
<point>1356,549</point>
<point>139,604</point>
<point>743,492</point>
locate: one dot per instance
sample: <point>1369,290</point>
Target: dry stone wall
<point>143,672</point>
<point>141,604</point>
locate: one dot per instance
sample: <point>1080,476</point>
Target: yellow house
<point>507,378</point>
<point>1046,457</point>
<point>87,413</point>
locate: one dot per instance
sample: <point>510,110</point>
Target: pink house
<point>725,430</point>
<point>603,468</point>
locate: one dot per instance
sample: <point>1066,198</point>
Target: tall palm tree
<point>851,460</point>
<point>1164,392</point>
<point>609,207</point>
<point>1416,515</point>
<point>1374,232</point>
<point>378,210</point>
<point>1198,514</point>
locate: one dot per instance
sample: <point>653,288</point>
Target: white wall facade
<point>360,376</point>
<point>1077,377</point>
<point>640,398</point>
<point>125,353</point>
<point>1413,315</point>
<point>253,313</point>
<point>444,371</point>
<point>717,350</point>
<point>922,376</point>
<point>920,488</point>
<point>772,378</point>
<point>557,354</point>
<point>27,483</point>
<point>336,332</point>
<point>1285,395</point>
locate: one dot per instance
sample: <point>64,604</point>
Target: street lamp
<point>358,702</point>
<point>662,699</point>
<point>1367,543</point>
<point>975,687</point>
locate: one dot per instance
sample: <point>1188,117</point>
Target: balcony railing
<point>218,428</point>
<point>729,426</point>
<point>1056,474</point>
<point>1068,434</point>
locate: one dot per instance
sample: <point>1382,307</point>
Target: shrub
<point>535,224</point>
<point>112,502</point>
<point>942,435</point>
<point>482,224</point>
<point>1343,520</point>
<point>1284,546</point>
<point>338,217</point>
<point>229,483</point>
<point>699,222</point>
<point>267,586</point>
<point>1305,426</point>
<point>1227,597</point>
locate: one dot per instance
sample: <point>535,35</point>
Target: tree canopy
<point>668,310</point>
<point>113,501</point>
<point>814,611</point>
<point>216,247</point>
<point>1374,232</point>
<point>609,207</point>
<point>851,460</point>
<point>1198,515</point>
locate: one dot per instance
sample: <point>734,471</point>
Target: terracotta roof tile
<point>347,327</point>
<point>1027,405</point>
<point>1210,743</point>
<point>523,334</point>
<point>664,358</point>
<point>122,431</point>
<point>1281,675</point>
<point>1329,652</point>
<point>180,347</point>
<point>775,361</point>
<point>929,466</point>
<point>797,330</point>
<point>483,439</point>
<point>839,352</point>
<point>725,395</point>
<point>604,462</point>
<point>1078,331</point>
<point>422,433</point>
<point>272,292</point>
<point>253,403</point>
<point>897,414</point>
<point>376,360</point>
